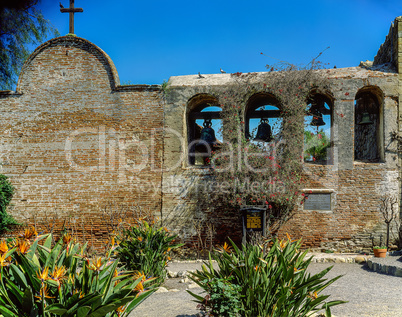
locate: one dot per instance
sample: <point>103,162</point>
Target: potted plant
<point>380,251</point>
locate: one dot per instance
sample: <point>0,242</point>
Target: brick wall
<point>75,143</point>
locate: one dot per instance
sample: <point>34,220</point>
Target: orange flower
<point>313,295</point>
<point>78,291</point>
<point>22,246</point>
<point>114,242</point>
<point>115,273</point>
<point>44,275</point>
<point>139,288</point>
<point>58,274</point>
<point>43,291</point>
<point>226,248</point>
<point>29,233</point>
<point>121,310</point>
<point>96,264</point>
<point>3,261</point>
<point>3,247</point>
<point>66,238</point>
<point>289,238</point>
<point>138,274</point>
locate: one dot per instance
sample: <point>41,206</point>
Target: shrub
<point>41,280</point>
<point>271,284</point>
<point>6,194</point>
<point>146,247</point>
<point>224,297</point>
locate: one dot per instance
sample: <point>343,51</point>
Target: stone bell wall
<point>355,186</point>
<point>81,150</point>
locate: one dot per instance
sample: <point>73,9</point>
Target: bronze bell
<point>317,120</point>
<point>263,132</point>
<point>207,133</point>
<point>365,119</point>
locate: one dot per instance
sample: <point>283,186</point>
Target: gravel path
<point>369,294</point>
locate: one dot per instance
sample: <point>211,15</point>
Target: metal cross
<point>71,10</point>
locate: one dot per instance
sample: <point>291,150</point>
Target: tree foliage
<point>316,145</point>
<point>22,26</point>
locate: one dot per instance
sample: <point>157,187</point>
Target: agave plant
<point>271,284</point>
<point>45,280</point>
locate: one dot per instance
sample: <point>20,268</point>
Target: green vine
<point>247,172</point>
<point>6,194</point>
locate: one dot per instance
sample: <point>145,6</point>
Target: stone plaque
<point>318,202</point>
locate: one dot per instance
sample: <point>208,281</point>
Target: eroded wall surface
<point>80,149</point>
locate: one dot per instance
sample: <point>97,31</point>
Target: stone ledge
<point>316,258</point>
<point>138,87</point>
<point>339,258</point>
<point>390,265</point>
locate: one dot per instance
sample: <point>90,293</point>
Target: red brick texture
<point>74,141</point>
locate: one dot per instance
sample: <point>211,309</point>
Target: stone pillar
<point>343,133</point>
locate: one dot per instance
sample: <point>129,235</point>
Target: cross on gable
<point>71,10</point>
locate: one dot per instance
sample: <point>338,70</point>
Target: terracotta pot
<point>380,253</point>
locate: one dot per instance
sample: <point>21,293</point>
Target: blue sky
<point>151,41</point>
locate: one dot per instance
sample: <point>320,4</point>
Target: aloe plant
<point>45,280</point>
<point>271,284</point>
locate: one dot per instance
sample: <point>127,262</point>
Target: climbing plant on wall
<point>6,194</point>
<point>250,172</point>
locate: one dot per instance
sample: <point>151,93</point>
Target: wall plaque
<point>254,221</point>
<point>318,202</point>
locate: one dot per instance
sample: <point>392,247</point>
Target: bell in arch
<point>264,133</point>
<point>365,119</point>
<point>317,120</point>
<point>207,133</point>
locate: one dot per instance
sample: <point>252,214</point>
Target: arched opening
<point>263,121</point>
<point>204,127</point>
<point>368,125</point>
<point>318,121</point>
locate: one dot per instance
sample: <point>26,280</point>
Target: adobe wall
<point>81,148</point>
<point>77,146</point>
<point>356,187</point>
